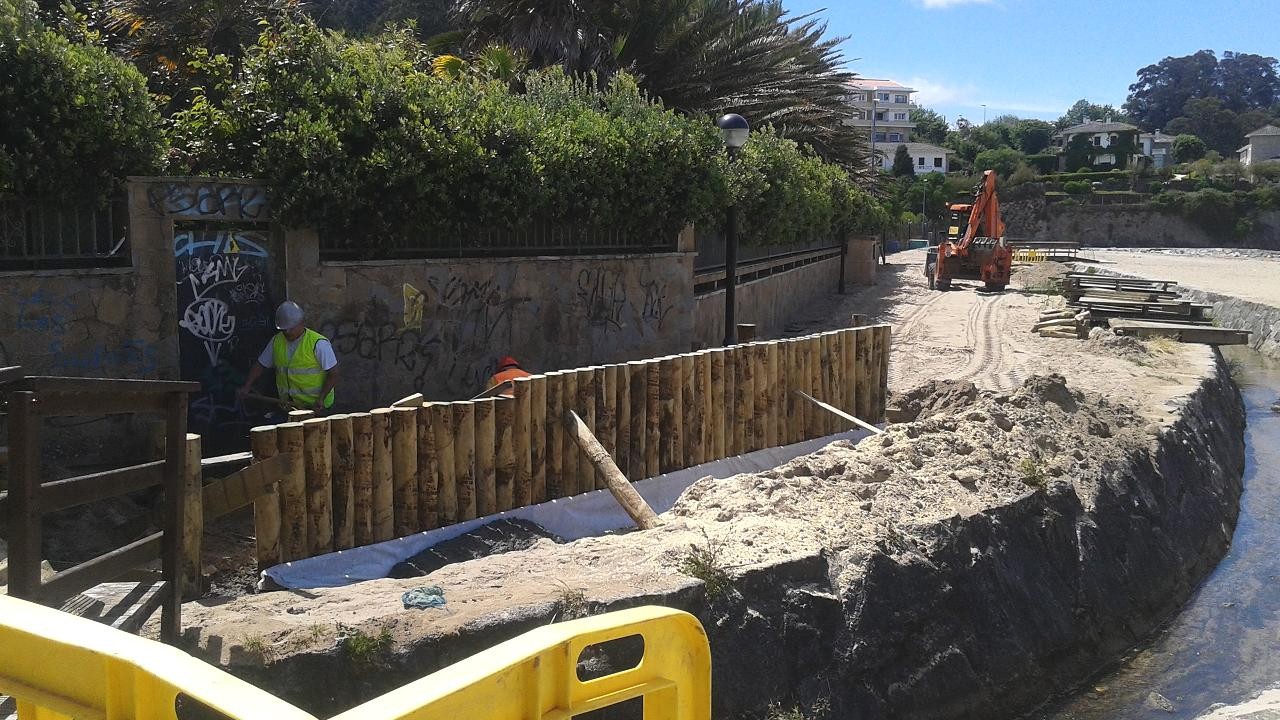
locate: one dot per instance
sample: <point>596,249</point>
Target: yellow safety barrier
<point>60,666</point>
<point>1029,256</point>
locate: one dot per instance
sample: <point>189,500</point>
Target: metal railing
<point>531,240</point>
<point>710,279</point>
<point>56,665</point>
<point>52,236</point>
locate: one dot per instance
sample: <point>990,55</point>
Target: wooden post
<point>192,521</point>
<point>691,434</point>
<point>569,482</point>
<point>795,381</point>
<point>428,472</point>
<point>522,482</point>
<point>700,417</point>
<point>319,472</point>
<point>652,417</point>
<point>622,490</point>
<point>266,507</point>
<point>362,479</point>
<point>884,334</point>
<point>446,465</point>
<point>729,416</point>
<point>587,411</point>
<point>504,418</point>
<point>404,470</point>
<point>343,459</point>
<point>538,438</point>
<point>746,332</point>
<point>774,431</point>
<point>863,359</point>
<point>175,488</point>
<point>486,478</point>
<point>555,435</point>
<point>760,378</point>
<point>293,494</point>
<point>382,514</point>
<point>744,400</point>
<point>464,457</point>
<point>607,414</point>
<point>300,415</point>
<point>849,376</point>
<point>831,374</point>
<point>715,419</point>
<point>810,417</point>
<point>622,425</point>
<point>637,373</point>
<point>670,415</point>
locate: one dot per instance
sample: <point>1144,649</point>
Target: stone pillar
<point>860,261</point>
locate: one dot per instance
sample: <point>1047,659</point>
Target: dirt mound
<point>1104,342</point>
<point>1040,276</point>
<point>932,398</point>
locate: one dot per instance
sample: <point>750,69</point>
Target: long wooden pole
<point>641,514</point>
<point>715,407</point>
<point>832,373</point>
<point>622,423</point>
<point>653,417</point>
<point>885,334</point>
<point>193,520</point>
<point>521,426</point>
<point>863,359</point>
<point>504,418</point>
<point>730,415</point>
<point>587,380</point>
<point>607,413</point>
<point>840,414</point>
<point>538,438</point>
<point>362,446</point>
<point>555,435</point>
<point>404,469</point>
<point>637,372</point>
<point>669,413</point>
<point>266,507</point>
<point>691,435</point>
<point>382,505</point>
<point>700,425</point>
<point>464,457</point>
<point>486,457</point>
<point>293,494</point>
<point>849,376</point>
<point>744,387</point>
<point>817,419</point>
<point>316,450</point>
<point>446,466</point>
<point>343,461</point>
<point>428,471</point>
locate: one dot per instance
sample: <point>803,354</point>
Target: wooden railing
<point>372,476</point>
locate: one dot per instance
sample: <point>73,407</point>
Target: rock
<point>1156,701</point>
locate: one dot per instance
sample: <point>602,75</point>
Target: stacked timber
<point>1109,297</point>
<point>1068,323</point>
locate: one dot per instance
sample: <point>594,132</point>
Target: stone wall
<point>1125,226</point>
<point>769,302</point>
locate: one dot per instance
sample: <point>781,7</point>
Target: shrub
<point>1076,187</point>
<point>1003,160</point>
<point>1024,174</point>
<point>1265,171</point>
<point>1187,148</point>
<point>1044,163</point>
<point>74,120</point>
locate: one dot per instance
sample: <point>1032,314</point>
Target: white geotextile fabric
<point>585,515</point>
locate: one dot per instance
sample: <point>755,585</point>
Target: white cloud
<point>936,93</point>
<point>934,4</point>
<point>970,98</point>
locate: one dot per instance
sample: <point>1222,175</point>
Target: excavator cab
<point>975,248</point>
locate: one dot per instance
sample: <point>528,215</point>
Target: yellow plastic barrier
<point>60,666</point>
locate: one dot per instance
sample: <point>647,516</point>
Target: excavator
<point>980,251</point>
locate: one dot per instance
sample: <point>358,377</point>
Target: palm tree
<point>699,56</point>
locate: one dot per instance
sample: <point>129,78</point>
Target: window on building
<point>879,116</point>
<point>900,99</point>
<point>920,162</point>
<point>895,137</point>
<point>1097,140</point>
<point>937,162</point>
<point>857,97</point>
<point>882,97</point>
<point>879,137</point>
<point>899,116</point>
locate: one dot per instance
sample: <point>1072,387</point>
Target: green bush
<point>1219,213</point>
<point>1004,161</point>
<point>74,120</point>
<point>1076,187</point>
<point>1043,163</point>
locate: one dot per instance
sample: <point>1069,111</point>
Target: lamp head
<point>734,130</point>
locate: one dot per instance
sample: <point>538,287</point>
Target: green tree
<point>1078,152</point>
<point>931,127</point>
<point>1003,160</point>
<point>1084,109</point>
<point>902,165</point>
<point>74,120</point>
<point>1187,148</point>
<point>1033,136</point>
<point>1239,81</point>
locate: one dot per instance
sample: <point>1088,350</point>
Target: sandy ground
<point>842,497</point>
<point>1250,275</point>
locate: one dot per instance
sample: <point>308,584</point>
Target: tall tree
<point>931,126</point>
<point>1083,109</point>
<point>1247,81</point>
<point>1032,135</point>
<point>902,165</point>
<point>1163,88</point>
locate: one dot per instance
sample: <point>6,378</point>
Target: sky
<point>1034,58</point>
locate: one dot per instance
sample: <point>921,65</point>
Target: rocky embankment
<point>969,564</point>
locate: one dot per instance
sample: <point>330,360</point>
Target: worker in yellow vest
<point>305,364</point>
<point>508,370</point>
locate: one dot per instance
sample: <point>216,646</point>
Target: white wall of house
<point>930,162</point>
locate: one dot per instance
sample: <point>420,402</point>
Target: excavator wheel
<point>944,284</point>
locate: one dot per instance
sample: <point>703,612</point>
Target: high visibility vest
<point>502,376</point>
<point>299,379</point>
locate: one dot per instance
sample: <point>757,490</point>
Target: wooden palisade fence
<point>368,477</point>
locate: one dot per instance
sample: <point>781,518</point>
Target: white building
<point>1158,147</point>
<point>883,108</point>
<point>1263,145</point>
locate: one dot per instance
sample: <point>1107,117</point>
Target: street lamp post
<point>984,113</point>
<point>874,99</point>
<point>734,129</point>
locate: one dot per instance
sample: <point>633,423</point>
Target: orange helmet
<point>507,362</point>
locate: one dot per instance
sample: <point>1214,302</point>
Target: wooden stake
<point>814,421</point>
<point>343,459</point>
<point>700,419</point>
<point>293,494</point>
<point>607,413</point>
<point>690,434</point>
<point>446,465</point>
<point>848,377</point>
<point>831,345</point>
<point>555,435</point>
<point>538,438</point>
<point>885,340</point>
<point>522,483</point>
<point>789,427</point>
<point>300,415</point>
<point>587,380</point>
<point>652,417</point>
<point>382,511</point>
<point>569,477</point>
<point>635,506</point>
<point>863,359</point>
<point>760,375</point>
<point>670,414</point>
<point>362,444</point>
<point>744,400</point>
<point>504,420</point>
<point>266,508</point>
<point>637,374</point>
<point>428,472</point>
<point>715,410</point>
<point>193,520</point>
<point>730,413</point>
<point>319,471</point>
<point>486,457</point>
<point>622,426</point>
<point>464,457</point>
<point>404,469</point>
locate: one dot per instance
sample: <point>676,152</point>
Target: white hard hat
<point>288,315</point>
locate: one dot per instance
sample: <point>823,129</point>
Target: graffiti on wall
<point>209,200</point>
<point>68,338</point>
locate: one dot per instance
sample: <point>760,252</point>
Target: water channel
<point>1224,646</point>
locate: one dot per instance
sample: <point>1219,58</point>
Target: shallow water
<point>1224,646</point>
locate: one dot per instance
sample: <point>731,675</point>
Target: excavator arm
<point>984,217</point>
<point>980,251</point>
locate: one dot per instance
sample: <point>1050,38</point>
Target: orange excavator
<point>980,251</point>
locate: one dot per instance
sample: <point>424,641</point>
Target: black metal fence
<point>710,247</point>
<point>532,240</point>
<point>51,236</point>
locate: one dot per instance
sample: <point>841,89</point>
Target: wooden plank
<point>382,497</point>
<point>504,417</point>
<point>626,495</point>
<point>570,479</point>
<point>882,371</point>
<point>795,406</point>
<point>241,489</point>
<point>486,478</point>
<point>464,457</point>
<point>447,485</point>
<point>266,507</point>
<point>293,494</point>
<point>730,415</point>
<point>653,418</point>
<point>414,401</point>
<point>342,459</point>
<point>700,418</point>
<point>104,386</point>
<point>102,568</point>
<point>63,404</point>
<point>62,494</point>
<point>622,423</point>
<point>192,521</point>
<point>316,453</point>
<point>840,414</point>
<point>555,435</point>
<point>637,376</point>
<point>404,470</point>
<point>428,471</point>
<point>1182,332</point>
<point>362,479</point>
<point>539,442</point>
<point>521,443</point>
<point>25,510</point>
<point>716,409</point>
<point>171,543</point>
